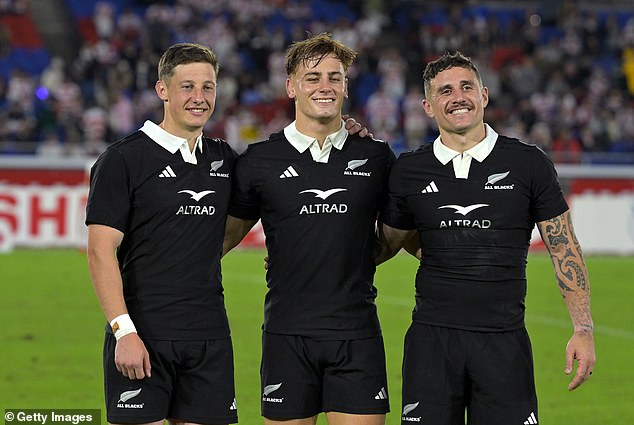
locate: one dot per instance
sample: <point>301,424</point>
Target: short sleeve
<point>548,197</point>
<point>396,212</point>
<point>245,202</point>
<point>109,199</point>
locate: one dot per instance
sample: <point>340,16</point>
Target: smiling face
<point>319,89</point>
<point>456,100</point>
<point>189,97</point>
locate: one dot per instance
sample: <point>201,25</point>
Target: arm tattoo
<point>570,269</point>
<point>565,252</point>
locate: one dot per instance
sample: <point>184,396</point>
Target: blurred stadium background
<point>75,75</point>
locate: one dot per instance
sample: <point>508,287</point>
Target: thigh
<point>355,378</point>
<point>433,390</point>
<point>135,401</point>
<point>204,390</point>
<point>290,377</point>
<point>503,385</point>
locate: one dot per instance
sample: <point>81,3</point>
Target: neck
<point>190,136</point>
<point>318,129</point>
<point>462,142</point>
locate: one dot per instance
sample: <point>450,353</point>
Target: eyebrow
<point>317,74</point>
<point>462,83</point>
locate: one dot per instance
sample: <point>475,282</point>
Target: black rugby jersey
<point>319,221</point>
<point>173,216</point>
<point>475,232</point>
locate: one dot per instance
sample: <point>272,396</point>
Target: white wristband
<point>121,326</point>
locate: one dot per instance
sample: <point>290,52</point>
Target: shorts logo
<point>268,390</point>
<point>127,395</point>
<point>408,408</point>
<point>382,395</point>
<point>494,178</point>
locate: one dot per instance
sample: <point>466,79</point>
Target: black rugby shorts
<point>191,381</point>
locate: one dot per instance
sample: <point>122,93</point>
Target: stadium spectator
<point>474,197</point>
<point>317,192</point>
<point>246,35</point>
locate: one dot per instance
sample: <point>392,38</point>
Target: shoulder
<point>515,146</point>
<point>128,149</point>
<point>424,151</point>
<point>220,144</point>
<point>370,145</point>
<point>273,144</point>
<point>134,142</point>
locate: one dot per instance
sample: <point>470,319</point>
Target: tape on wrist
<point>121,326</point>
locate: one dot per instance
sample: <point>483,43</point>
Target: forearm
<point>235,230</point>
<point>107,283</point>
<point>570,269</point>
<point>389,242</point>
<point>104,269</point>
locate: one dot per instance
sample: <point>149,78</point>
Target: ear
<point>485,97</point>
<point>290,90</point>
<point>427,108</point>
<point>161,90</point>
<point>345,88</point>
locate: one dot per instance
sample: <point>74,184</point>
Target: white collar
<point>301,142</point>
<point>479,151</point>
<point>170,142</point>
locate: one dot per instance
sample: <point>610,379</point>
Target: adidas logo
<point>167,172</point>
<point>289,172</point>
<point>431,188</point>
<point>382,395</point>
<point>531,420</point>
<point>234,405</point>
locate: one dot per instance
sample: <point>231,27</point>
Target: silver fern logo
<point>408,408</point>
<point>351,169</point>
<point>268,390</point>
<point>127,395</point>
<point>215,166</point>
<point>494,178</point>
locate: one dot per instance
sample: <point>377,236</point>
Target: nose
<point>324,84</point>
<point>197,95</point>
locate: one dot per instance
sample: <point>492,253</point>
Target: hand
<point>131,357</point>
<point>581,348</point>
<point>354,127</point>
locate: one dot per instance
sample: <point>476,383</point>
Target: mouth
<point>322,101</point>
<point>197,111</point>
<point>459,111</point>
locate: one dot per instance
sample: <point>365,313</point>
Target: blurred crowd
<point>560,73</point>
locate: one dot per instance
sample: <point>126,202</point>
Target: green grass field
<point>52,329</point>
